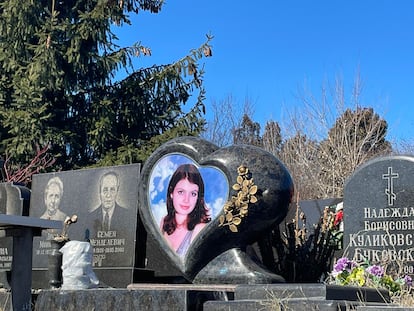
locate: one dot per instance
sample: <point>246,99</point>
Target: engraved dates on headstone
<point>106,203</point>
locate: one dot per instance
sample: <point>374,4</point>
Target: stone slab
<point>385,308</point>
<point>145,297</point>
<point>286,304</point>
<point>379,214</point>
<point>197,287</point>
<point>316,291</point>
<point>280,291</point>
<point>189,297</point>
<point>85,193</point>
<point>7,221</point>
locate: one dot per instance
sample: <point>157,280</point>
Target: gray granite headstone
<point>118,249</point>
<point>379,213</point>
<point>14,200</point>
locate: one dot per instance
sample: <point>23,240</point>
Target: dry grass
<point>275,303</point>
<point>404,298</point>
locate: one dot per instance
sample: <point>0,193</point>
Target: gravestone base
<point>299,297</point>
<point>297,304</point>
<point>217,297</point>
<point>135,297</point>
<point>387,308</point>
<point>235,267</point>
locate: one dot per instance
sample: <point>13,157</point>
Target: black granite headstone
<point>117,245</point>
<point>201,205</point>
<point>379,214</point>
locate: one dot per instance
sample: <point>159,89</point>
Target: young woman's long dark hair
<point>200,212</point>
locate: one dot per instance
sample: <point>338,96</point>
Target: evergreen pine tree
<point>58,60</point>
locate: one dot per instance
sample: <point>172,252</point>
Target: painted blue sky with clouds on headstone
<point>215,183</point>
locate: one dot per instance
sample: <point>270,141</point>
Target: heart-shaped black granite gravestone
<point>246,189</point>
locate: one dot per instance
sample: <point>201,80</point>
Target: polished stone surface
<point>208,297</point>
<point>379,214</point>
<point>136,297</point>
<point>235,267</point>
<point>266,291</point>
<point>384,308</point>
<point>306,296</point>
<point>119,248</point>
<point>311,290</point>
<point>275,190</point>
<point>296,304</point>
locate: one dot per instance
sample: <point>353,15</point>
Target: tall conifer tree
<point>58,60</point>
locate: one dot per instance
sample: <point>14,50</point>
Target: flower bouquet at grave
<point>348,272</point>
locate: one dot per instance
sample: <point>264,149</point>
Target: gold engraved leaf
<point>253,189</point>
<point>233,228</point>
<point>236,221</point>
<point>236,187</point>
<point>227,206</point>
<point>238,206</point>
<point>229,216</point>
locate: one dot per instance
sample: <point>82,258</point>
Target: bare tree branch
<point>23,173</point>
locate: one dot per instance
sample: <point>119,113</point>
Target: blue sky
<point>266,51</point>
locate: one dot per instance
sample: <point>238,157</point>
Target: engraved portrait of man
<point>109,215</point>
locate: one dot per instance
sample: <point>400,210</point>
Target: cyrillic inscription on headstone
<point>379,213</point>
<point>106,203</point>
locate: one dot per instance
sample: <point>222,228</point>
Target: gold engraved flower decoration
<point>238,206</point>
